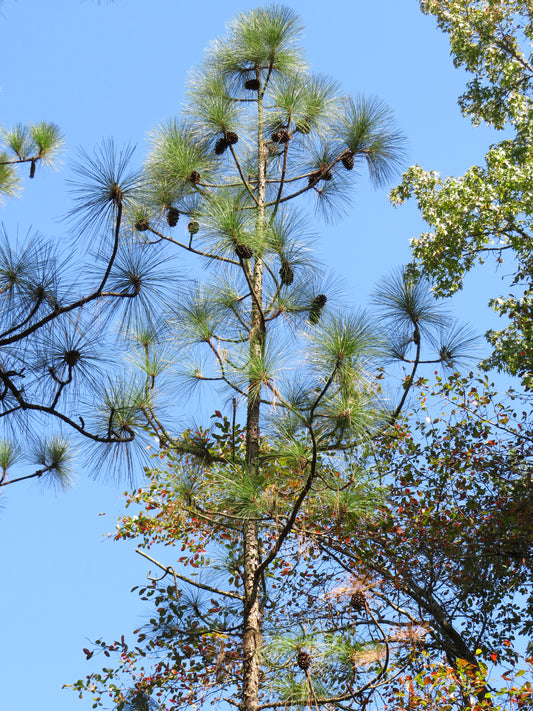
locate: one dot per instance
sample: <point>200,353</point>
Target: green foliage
<point>194,633</point>
<point>9,455</point>
<point>488,210</point>
<point>9,185</point>
<point>309,102</point>
<point>104,185</point>
<point>410,314</point>
<point>491,40</point>
<point>18,140</point>
<point>256,611</point>
<point>56,457</point>
<point>46,141</point>
<point>408,302</point>
<point>368,129</point>
<point>411,592</point>
<point>55,317</point>
<point>263,39</point>
<point>31,143</point>
<point>175,155</point>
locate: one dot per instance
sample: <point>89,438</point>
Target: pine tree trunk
<point>251,544</point>
<point>252,622</point>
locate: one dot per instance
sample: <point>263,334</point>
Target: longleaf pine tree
<point>259,132</point>
<point>59,316</point>
<point>261,137</point>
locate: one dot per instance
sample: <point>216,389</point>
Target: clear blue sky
<point>118,69</point>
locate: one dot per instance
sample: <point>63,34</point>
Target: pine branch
<point>243,179</point>
<point>188,248</point>
<point>170,570</point>
<point>411,378</point>
<point>37,474</point>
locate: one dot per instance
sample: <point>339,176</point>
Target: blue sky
<point>117,70</point>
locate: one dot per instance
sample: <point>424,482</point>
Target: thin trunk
<point>252,622</point>
<point>251,544</point>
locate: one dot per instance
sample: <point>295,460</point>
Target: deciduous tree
<point>413,592</point>
<point>487,211</point>
<point>455,540</point>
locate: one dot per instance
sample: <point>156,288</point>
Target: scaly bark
<point>251,543</point>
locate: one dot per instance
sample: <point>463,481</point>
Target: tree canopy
<point>326,540</point>
<point>410,592</point>
<point>269,514</point>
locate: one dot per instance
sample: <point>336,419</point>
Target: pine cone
<point>194,177</point>
<point>142,225</point>
<point>252,84</point>
<point>220,146</point>
<point>244,252</point>
<point>317,304</point>
<point>173,215</point>
<point>193,227</point>
<point>304,660</point>
<point>231,138</point>
<point>358,601</point>
<point>347,160</point>
<point>319,301</point>
<point>281,136</point>
<point>286,274</point>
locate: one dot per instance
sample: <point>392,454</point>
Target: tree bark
<point>251,544</point>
